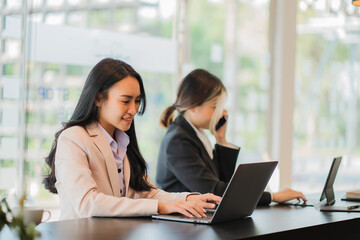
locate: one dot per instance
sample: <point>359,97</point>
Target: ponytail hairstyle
<point>100,79</point>
<point>198,87</point>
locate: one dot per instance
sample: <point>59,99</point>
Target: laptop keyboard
<point>208,217</point>
<point>295,202</point>
<point>210,210</point>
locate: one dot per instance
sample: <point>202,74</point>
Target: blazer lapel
<point>180,120</point>
<point>105,149</point>
<point>126,174</point>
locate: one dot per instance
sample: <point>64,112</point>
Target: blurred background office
<point>291,68</point>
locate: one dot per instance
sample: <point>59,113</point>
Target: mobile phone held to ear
<point>220,123</point>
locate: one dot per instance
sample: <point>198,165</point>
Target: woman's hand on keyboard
<point>288,194</point>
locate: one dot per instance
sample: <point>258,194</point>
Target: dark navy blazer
<point>184,165</point>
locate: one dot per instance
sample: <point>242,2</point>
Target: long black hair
<point>100,79</point>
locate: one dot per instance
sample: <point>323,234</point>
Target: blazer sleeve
<point>265,199</point>
<point>225,161</point>
<point>185,162</point>
<point>162,195</point>
<point>74,175</point>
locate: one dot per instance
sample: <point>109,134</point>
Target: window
<point>235,49</point>
<point>326,114</point>
<point>61,53</point>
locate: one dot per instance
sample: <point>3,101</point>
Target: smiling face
<point>120,106</point>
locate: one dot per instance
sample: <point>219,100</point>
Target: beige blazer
<point>88,183</point>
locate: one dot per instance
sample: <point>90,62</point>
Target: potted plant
<point>16,222</point>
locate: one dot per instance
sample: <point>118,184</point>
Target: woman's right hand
<point>187,208</point>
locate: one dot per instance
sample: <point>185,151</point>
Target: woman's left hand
<point>287,195</point>
<point>220,133</point>
<point>207,200</point>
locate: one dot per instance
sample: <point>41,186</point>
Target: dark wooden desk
<point>274,222</point>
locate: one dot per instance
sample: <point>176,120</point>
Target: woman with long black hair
<point>95,163</point>
<point>187,160</point>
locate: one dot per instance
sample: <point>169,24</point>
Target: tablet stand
<point>330,196</point>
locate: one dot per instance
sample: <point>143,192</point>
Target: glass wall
<point>64,40</point>
<point>10,95</point>
<point>235,48</point>
<point>327,113</point>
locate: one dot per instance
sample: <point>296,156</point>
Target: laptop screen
<point>328,191</point>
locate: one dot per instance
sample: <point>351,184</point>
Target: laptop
<point>328,191</point>
<point>240,197</point>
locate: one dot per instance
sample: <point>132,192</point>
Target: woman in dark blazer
<point>187,161</point>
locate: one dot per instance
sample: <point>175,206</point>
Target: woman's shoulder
<point>74,130</point>
<point>181,127</point>
<point>179,134</point>
<point>176,130</point>
<point>74,133</point>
